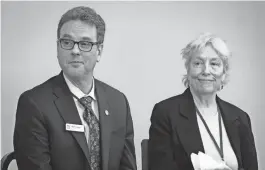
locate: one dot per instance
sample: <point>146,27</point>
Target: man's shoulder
<point>107,88</point>
<point>41,90</point>
<point>114,96</point>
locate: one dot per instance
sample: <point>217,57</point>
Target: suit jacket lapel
<point>66,107</point>
<point>105,123</point>
<point>189,131</point>
<point>231,123</point>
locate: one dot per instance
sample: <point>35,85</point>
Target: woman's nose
<point>206,68</point>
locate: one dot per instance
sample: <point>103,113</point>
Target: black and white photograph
<point>132,85</point>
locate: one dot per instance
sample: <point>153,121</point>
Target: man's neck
<point>84,84</point>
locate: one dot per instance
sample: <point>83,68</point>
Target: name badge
<point>74,127</point>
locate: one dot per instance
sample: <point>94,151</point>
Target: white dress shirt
<point>211,120</point>
<point>79,94</point>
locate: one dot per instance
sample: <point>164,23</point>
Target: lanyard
<point>219,149</point>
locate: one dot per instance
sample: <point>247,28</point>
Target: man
<point>74,121</point>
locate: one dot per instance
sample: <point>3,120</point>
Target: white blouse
<point>209,147</point>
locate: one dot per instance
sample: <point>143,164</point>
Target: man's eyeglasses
<point>85,46</point>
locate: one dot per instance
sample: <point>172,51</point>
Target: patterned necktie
<point>94,133</point>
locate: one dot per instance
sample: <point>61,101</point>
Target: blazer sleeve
<point>128,159</point>
<point>160,149</point>
<point>248,149</point>
<point>31,143</point>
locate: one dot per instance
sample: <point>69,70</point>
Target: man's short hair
<point>87,15</point>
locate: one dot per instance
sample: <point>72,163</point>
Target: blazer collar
<point>231,122</point>
<point>188,107</point>
<point>188,131</point>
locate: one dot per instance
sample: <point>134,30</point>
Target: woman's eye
<point>197,63</point>
<point>215,64</point>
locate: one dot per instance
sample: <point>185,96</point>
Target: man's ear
<point>99,52</point>
<point>58,46</point>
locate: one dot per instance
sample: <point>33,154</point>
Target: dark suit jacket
<point>174,134</point>
<point>41,141</point>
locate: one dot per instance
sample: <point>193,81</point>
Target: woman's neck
<point>206,101</point>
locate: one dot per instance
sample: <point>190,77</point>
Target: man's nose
<point>76,49</point>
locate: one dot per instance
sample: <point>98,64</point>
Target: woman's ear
<point>223,77</point>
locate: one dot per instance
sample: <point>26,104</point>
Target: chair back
<point>144,147</point>
<point>6,159</point>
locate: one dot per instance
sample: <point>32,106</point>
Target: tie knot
<point>86,101</point>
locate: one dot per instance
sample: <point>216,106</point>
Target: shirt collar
<point>77,92</point>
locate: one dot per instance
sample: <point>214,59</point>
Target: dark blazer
<point>174,134</point>
<point>41,141</point>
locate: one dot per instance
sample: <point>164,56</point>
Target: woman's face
<point>205,72</point>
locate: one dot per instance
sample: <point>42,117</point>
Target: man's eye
<point>66,42</point>
<point>84,43</point>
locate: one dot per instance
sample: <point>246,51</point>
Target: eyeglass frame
<point>77,42</point>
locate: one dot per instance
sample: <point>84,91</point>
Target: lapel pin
<point>106,112</point>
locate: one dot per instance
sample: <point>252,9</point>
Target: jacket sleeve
<point>31,143</point>
<point>160,149</point>
<point>248,149</point>
<point>128,159</point>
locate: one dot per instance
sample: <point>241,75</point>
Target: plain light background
<point>141,55</point>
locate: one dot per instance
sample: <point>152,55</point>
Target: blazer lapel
<point>66,107</point>
<point>231,123</point>
<point>105,123</point>
<point>189,133</point>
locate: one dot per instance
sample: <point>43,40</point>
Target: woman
<point>198,120</point>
